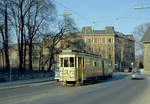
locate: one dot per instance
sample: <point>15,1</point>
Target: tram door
<point>80,68</point>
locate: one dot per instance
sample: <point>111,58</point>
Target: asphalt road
<point>118,90</point>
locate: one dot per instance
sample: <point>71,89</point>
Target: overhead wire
<point>93,22</point>
<point>74,12</point>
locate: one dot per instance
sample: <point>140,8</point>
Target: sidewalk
<point>22,83</point>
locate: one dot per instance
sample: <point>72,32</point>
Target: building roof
<point>99,31</point>
<point>130,36</point>
<point>109,30</point>
<point>146,37</point>
<point>88,30</point>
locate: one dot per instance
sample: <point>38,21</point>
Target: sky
<point>101,13</point>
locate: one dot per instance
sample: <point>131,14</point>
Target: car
<point>129,69</point>
<point>136,74</point>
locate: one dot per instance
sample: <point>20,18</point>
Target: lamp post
<point>142,7</point>
<point>64,16</point>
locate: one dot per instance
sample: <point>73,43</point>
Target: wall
<point>146,56</point>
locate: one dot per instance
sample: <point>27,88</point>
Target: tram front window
<point>61,62</point>
<point>71,61</point>
<point>66,62</point>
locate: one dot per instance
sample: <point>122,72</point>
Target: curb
<point>19,85</point>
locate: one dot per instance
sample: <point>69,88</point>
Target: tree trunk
<point>5,43</point>
<point>40,58</point>
<point>51,60</point>
<point>3,58</point>
<point>30,54</point>
<point>24,59</point>
<point>21,59</point>
<point>22,35</point>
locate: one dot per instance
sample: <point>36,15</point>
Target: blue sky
<point>117,13</point>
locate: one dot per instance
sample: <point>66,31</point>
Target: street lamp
<point>64,14</point>
<point>142,7</point>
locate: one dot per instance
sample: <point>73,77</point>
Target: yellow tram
<point>77,67</point>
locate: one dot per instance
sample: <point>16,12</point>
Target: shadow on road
<point>114,78</point>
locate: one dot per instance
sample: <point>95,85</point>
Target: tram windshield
<point>67,62</point>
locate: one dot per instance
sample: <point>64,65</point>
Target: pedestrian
<point>141,65</point>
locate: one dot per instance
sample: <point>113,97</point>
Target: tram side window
<point>71,61</point>
<point>83,63</point>
<point>100,64</point>
<point>66,62</point>
<point>61,62</point>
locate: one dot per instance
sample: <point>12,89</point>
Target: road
<point>118,90</point>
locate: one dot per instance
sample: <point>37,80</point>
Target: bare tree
<point>138,34</point>
<point>27,18</point>
<point>66,28</point>
<point>76,42</point>
<point>4,31</point>
<point>19,10</point>
<point>36,15</point>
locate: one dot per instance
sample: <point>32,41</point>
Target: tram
<point>78,67</point>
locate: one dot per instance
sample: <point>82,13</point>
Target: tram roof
<point>69,51</point>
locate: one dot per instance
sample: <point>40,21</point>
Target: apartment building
<point>110,44</point>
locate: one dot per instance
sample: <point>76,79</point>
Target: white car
<point>136,74</point>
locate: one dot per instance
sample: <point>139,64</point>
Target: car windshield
<point>136,71</point>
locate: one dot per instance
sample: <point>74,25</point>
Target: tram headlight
<point>66,71</point>
<point>71,74</point>
<point>61,74</point>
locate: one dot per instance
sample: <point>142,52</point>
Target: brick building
<point>110,44</point>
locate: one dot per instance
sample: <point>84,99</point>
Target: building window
<point>100,55</point>
<point>100,48</point>
<point>99,40</point>
<point>109,56</point>
<point>95,64</point>
<point>110,48</point>
<point>109,40</point>
<point>89,40</point>
<point>89,48</point>
<point>103,40</point>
